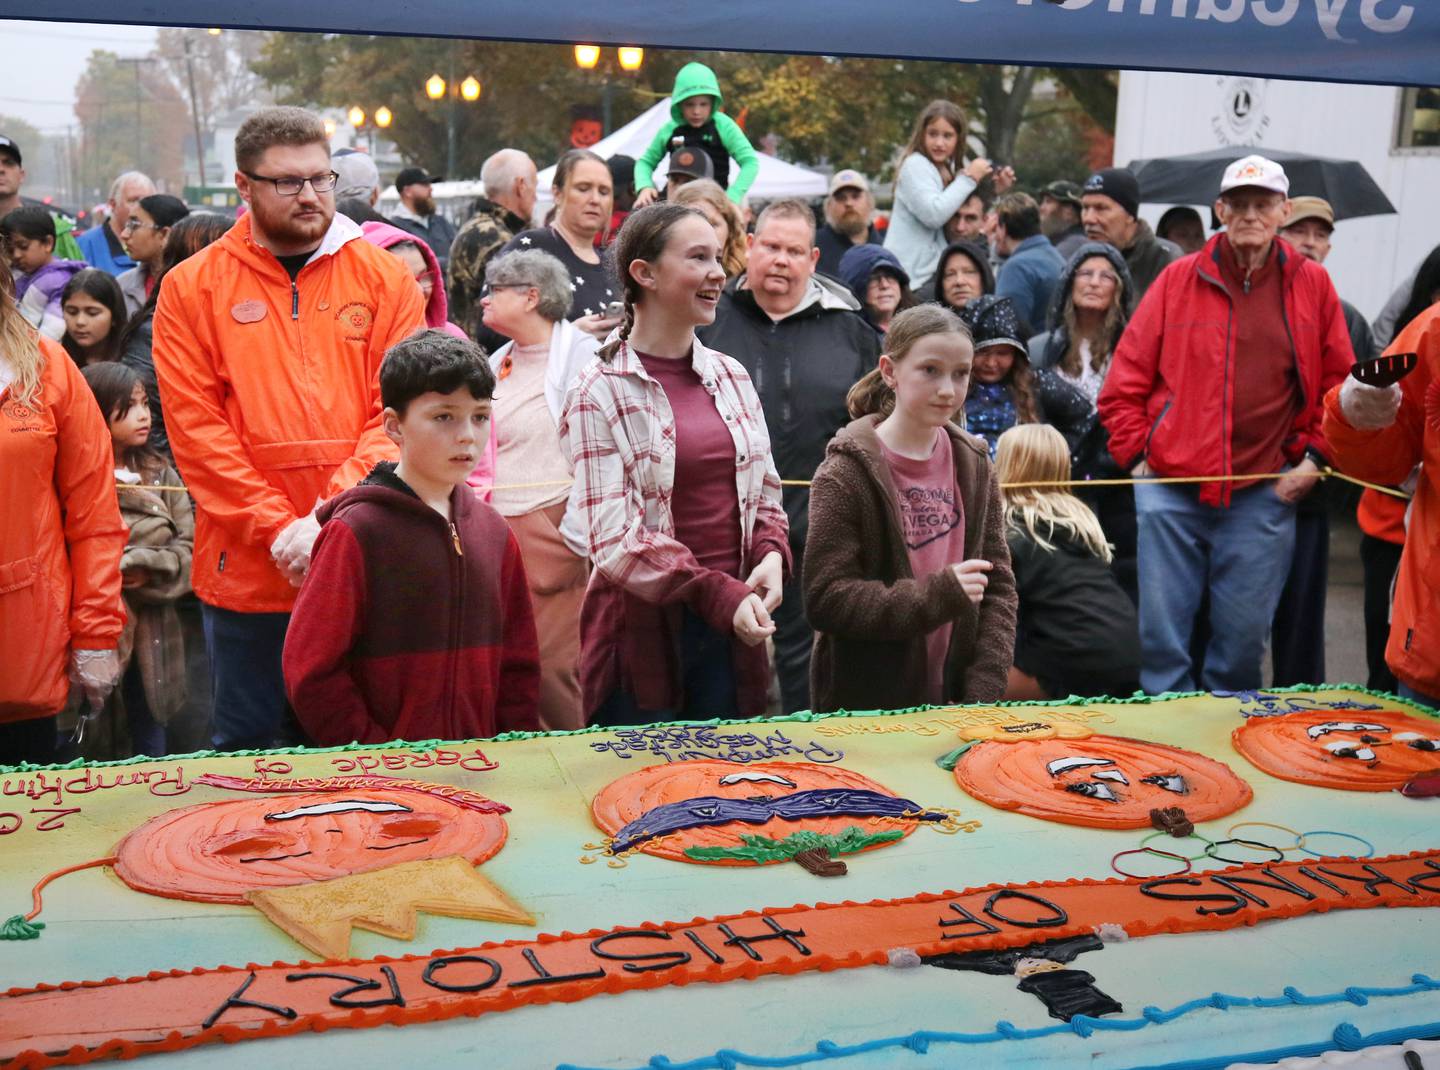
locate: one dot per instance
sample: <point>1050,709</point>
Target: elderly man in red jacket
<point>1221,373</point>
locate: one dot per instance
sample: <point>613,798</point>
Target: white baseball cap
<point>1256,171</point>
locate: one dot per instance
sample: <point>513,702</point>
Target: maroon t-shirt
<point>1267,387</point>
<point>706,504</point>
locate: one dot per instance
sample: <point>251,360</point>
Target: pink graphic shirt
<point>932,518</point>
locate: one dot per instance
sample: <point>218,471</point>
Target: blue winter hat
<point>862,261</point>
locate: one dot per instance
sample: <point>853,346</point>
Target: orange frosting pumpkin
<point>216,852</point>
<point>1359,751</point>
<point>637,793</point>
<point>1102,781</point>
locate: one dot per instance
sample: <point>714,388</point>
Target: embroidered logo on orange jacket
<point>355,319</point>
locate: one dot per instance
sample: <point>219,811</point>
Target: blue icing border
<point>1345,1038</point>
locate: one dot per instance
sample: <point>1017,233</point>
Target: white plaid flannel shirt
<point>619,431</point>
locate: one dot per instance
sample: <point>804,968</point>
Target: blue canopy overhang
<point>1394,42</point>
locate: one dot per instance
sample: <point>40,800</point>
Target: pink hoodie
<point>437,313</point>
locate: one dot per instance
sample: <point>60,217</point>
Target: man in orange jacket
<point>1380,435</point>
<point>267,348</point>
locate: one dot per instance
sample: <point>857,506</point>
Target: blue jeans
<point>707,672</point>
<point>246,679</point>
<point>1406,691</point>
<point>1240,554</point>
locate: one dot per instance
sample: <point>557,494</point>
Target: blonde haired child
<point>1076,631</point>
<point>906,573</point>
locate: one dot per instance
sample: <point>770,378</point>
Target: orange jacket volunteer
<point>272,395</point>
<point>61,537</point>
<point>1387,456</point>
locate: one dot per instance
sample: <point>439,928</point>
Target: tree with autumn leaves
<point>850,112</point>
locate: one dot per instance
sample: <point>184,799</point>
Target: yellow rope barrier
<point>1128,481</point>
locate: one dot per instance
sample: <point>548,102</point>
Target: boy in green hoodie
<point>696,120</point>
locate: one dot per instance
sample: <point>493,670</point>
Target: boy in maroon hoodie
<point>415,621</point>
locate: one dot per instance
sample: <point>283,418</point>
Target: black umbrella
<point>1195,179</point>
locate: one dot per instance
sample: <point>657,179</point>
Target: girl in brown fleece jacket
<point>907,574</point>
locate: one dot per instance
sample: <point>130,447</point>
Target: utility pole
<point>135,62</point>
<point>195,110</point>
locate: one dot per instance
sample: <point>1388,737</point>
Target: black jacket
<point>1074,622</point>
<point>803,366</point>
<point>1148,256</point>
<point>832,245</point>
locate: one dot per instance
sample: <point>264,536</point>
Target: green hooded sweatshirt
<point>698,80</point>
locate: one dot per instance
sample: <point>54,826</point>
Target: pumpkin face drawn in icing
<point>1103,781</point>
<point>216,852</point>
<point>665,810</point>
<point>1369,751</point>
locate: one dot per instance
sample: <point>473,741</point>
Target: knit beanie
<point>1119,184</point>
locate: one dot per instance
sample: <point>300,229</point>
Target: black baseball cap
<point>415,176</point>
<point>10,149</point>
<point>687,160</point>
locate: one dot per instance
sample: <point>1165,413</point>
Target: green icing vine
<point>761,849</point>
<point>17,928</point>
<point>803,717</point>
<point>950,760</point>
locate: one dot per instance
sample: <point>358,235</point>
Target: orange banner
<point>77,1022</point>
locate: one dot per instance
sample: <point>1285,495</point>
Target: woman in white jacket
<point>930,188</point>
<point>528,297</point>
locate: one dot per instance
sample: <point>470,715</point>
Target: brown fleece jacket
<point>870,614</point>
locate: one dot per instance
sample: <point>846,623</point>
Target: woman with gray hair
<point>528,297</point>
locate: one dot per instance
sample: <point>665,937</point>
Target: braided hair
<point>642,237</point>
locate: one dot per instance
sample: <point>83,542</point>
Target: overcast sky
<point>44,61</point>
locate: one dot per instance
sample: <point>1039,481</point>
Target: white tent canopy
<point>776,178</point>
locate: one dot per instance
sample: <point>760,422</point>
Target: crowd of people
<point>653,460</point>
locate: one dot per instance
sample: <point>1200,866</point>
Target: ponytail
<point>627,320</point>
<point>871,396</point>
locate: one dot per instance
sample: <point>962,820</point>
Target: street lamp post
<point>628,57</point>
<point>195,111</point>
<point>468,90</point>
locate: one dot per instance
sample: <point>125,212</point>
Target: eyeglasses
<point>1091,275</point>
<point>291,187</point>
<point>134,224</point>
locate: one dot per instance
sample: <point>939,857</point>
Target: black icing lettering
<point>983,927</point>
<point>659,960</point>
<point>1057,914</point>
<point>777,932</point>
<point>710,953</point>
<point>1419,879</point>
<point>1321,880</point>
<point>436,965</point>
<point>235,999</point>
<point>358,984</point>
<point>545,977</point>
<point>1375,880</point>
<point>1277,883</point>
<point>1153,890</point>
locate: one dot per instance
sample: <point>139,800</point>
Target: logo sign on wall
<point>1240,118</point>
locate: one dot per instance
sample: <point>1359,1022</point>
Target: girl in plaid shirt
<point>679,494</point>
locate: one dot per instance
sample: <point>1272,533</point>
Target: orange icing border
<point>839,936</point>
